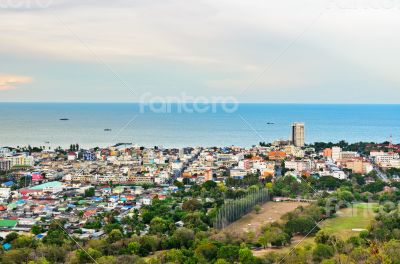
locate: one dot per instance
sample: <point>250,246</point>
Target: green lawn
<point>358,216</point>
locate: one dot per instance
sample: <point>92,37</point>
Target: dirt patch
<point>270,212</point>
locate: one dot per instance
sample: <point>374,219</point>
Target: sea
<point>174,125</point>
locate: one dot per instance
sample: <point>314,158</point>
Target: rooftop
<point>47,185</point>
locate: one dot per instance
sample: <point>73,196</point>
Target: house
<point>7,184</point>
<point>71,156</point>
<point>276,155</point>
<point>5,192</point>
<point>48,187</point>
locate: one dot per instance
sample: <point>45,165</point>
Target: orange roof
<point>277,154</point>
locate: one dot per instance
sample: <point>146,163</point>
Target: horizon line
<point>191,102</point>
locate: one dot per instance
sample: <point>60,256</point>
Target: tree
<point>55,237</point>
<point>36,229</point>
<point>209,185</point>
<point>89,192</point>
<point>110,227</point>
<point>184,237</point>
<point>257,208</point>
<point>206,251</point>
<point>301,225</point>
<point>107,260</point>
<point>133,247</point>
<point>274,236</point>
<point>174,256</point>
<point>114,236</point>
<point>191,205</point>
<point>246,256</point>
<point>24,242</point>
<point>16,256</point>
<point>322,237</point>
<point>158,226</point>
<point>11,237</point>
<point>229,253</point>
<point>392,250</point>
<point>87,256</point>
<point>322,252</point>
<point>148,244</point>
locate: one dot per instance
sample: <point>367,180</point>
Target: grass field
<point>344,223</point>
<point>347,220</point>
<point>270,212</point>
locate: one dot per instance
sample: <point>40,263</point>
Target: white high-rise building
<point>298,134</point>
<point>336,153</point>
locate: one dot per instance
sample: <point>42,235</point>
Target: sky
<point>303,51</point>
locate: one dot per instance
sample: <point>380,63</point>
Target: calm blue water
<point>35,123</point>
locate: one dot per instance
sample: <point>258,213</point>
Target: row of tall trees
<point>235,209</point>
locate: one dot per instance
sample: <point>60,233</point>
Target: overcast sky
<point>256,51</point>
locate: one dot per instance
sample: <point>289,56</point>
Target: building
<point>6,224</point>
<point>298,134</point>
<point>336,153</point>
<point>349,155</point>
<point>359,166</point>
<point>237,173</point>
<point>298,165</point>
<point>5,165</point>
<point>386,158</point>
<point>276,155</point>
<point>5,192</point>
<point>327,153</point>
<point>48,187</point>
<point>21,160</point>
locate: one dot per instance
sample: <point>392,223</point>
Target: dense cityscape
<point>151,204</point>
<point>199,132</point>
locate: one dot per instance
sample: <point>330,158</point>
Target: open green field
<point>359,216</point>
<point>348,220</point>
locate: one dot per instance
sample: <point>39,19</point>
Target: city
<point>199,132</point>
<point>79,187</point>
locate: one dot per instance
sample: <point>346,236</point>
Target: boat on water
<point>64,119</point>
<point>107,129</point>
<point>270,123</point>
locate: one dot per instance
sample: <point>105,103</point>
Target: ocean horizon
<point>172,125</point>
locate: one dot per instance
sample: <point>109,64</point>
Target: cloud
<point>312,50</point>
<point>8,82</point>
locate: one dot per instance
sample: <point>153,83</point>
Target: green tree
<point>322,251</point>
<point>114,236</point>
<point>191,205</point>
<point>392,251</point>
<point>174,256</point>
<point>36,229</point>
<point>158,225</point>
<point>11,237</point>
<point>229,253</point>
<point>274,236</point>
<point>246,256</point>
<point>301,225</point>
<point>133,247</point>
<point>184,237</point>
<point>206,251</point>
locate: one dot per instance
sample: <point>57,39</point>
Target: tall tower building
<point>298,134</point>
